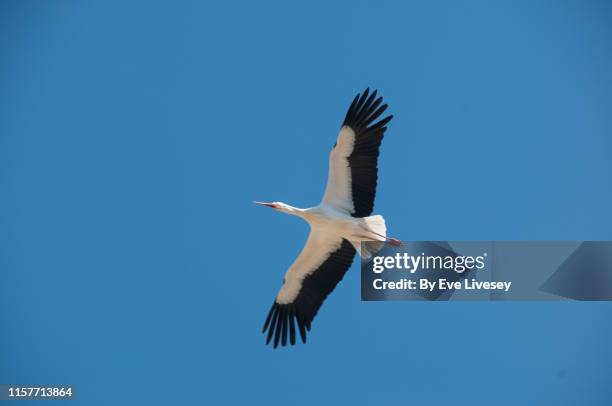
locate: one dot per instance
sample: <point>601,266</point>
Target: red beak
<point>266,204</point>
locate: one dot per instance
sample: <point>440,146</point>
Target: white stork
<point>337,225</point>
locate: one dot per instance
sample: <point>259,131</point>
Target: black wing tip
<point>280,325</point>
<point>364,110</point>
<point>383,123</point>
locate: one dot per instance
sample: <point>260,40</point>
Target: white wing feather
<point>317,249</point>
<point>338,190</point>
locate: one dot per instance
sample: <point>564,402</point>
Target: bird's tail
<point>377,235</point>
<point>377,227</point>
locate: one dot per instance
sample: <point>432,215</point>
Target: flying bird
<point>338,224</point>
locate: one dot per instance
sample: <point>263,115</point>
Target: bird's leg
<point>394,241</point>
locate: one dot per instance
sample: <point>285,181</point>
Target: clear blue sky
<point>134,136</point>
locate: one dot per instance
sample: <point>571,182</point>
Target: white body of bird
<point>337,222</point>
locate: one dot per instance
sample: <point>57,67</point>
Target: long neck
<point>296,211</point>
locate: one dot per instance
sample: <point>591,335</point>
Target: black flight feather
<point>363,161</point>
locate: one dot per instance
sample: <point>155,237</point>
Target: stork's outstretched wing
<point>353,171</point>
<point>313,276</point>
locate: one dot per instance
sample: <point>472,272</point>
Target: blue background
<point>134,136</point>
